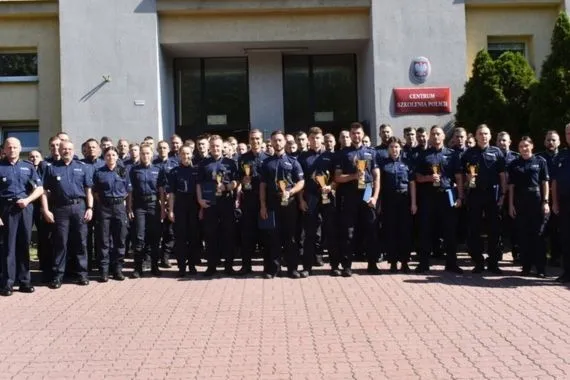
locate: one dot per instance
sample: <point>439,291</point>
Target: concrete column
<point>266,91</point>
<point>116,40</point>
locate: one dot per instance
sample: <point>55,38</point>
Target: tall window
<point>18,67</point>
<point>212,96</point>
<point>27,133</point>
<point>319,89</point>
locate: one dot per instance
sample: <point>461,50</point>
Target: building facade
<point>133,68</point>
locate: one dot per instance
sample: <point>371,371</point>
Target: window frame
<point>20,78</point>
<point>20,127</point>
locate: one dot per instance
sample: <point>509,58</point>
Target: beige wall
<point>33,101</point>
<point>530,24</point>
<point>266,27</point>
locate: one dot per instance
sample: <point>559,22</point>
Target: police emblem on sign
<point>420,69</point>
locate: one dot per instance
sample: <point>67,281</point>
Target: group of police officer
<point>293,198</point>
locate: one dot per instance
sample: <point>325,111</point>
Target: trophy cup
<point>219,177</point>
<point>436,170</point>
<point>322,181</point>
<point>282,184</point>
<point>247,174</point>
<point>472,169</point>
<point>361,167</point>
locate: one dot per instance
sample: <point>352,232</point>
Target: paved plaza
<point>436,326</point>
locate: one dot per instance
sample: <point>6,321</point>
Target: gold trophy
<point>247,174</point>
<point>322,181</point>
<point>472,169</point>
<point>361,167</point>
<point>219,177</point>
<point>282,184</point>
<point>436,170</point>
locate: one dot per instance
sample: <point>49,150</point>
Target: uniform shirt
<point>526,174</point>
<point>551,159</point>
<point>490,163</point>
<point>95,164</point>
<point>122,160</point>
<point>280,168</point>
<point>414,155</point>
<point>210,168</point>
<point>562,172</point>
<point>166,164</point>
<point>181,179</point>
<point>128,163</point>
<point>112,183</point>
<point>347,161</point>
<point>396,174</point>
<point>144,180</point>
<point>382,151</point>
<point>255,162</point>
<point>445,158</point>
<point>18,179</point>
<point>316,163</point>
<point>66,182</point>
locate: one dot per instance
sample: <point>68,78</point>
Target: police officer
<point>143,207</point>
<point>281,179</point>
<point>437,168</point>
<point>166,163</point>
<point>384,132</point>
<point>358,176</point>
<point>249,172</point>
<point>317,203</point>
<point>68,184</point>
<point>528,205</point>
<point>180,184</point>
<point>551,231</point>
<point>484,167</point>
<point>216,182</point>
<point>398,204</point>
<point>112,185</point>
<point>561,204</point>
<point>20,185</point>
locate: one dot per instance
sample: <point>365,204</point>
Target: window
<point>18,67</point>
<point>495,49</point>
<point>28,135</point>
<point>321,90</point>
<point>212,95</point>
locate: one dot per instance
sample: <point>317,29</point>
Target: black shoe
<point>6,292</point>
<point>155,271</point>
<point>346,272</point>
<point>55,283</point>
<point>192,270</point>
<point>26,289</point>
<point>394,268</point>
<point>372,269</point>
<point>136,274</point>
<point>319,261</point>
<point>180,274</point>
<point>453,268</point>
<point>495,269</point>
<point>293,274</point>
<point>268,276</point>
<point>422,268</point>
<point>164,263</point>
<point>104,277</point>
<point>119,276</point>
<point>479,268</point>
<point>83,281</point>
<point>525,272</point>
<point>564,279</point>
<point>229,271</point>
<point>210,271</point>
<point>305,273</point>
<point>405,268</point>
<point>335,272</point>
<point>541,275</point>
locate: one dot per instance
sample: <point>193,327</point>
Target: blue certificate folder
<point>451,196</point>
<point>269,223</point>
<point>367,193</point>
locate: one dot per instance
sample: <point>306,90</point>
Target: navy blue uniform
<point>250,233</point>
<point>147,211</point>
<point>482,201</point>
<point>16,182</point>
<point>527,177</point>
<point>437,215</point>
<point>181,182</point>
<point>321,211</point>
<point>396,176</point>
<point>561,175</point>
<point>44,231</point>
<point>167,228</point>
<point>507,223</point>
<point>219,216</point>
<point>91,238</point>
<point>112,188</point>
<point>552,228</point>
<point>274,169</point>
<point>67,184</point>
<point>353,209</point>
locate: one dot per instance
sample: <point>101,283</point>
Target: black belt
<point>146,199</point>
<point>69,202</point>
<point>529,189</point>
<point>113,201</point>
<point>10,200</point>
<point>397,191</point>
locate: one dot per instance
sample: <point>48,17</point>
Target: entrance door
<point>212,96</point>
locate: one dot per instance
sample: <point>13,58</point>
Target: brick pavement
<point>437,326</point>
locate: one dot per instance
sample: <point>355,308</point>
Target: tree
<point>482,100</point>
<point>550,100</point>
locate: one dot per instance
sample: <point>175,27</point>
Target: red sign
<point>421,100</point>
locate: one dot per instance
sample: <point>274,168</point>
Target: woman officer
<point>528,205</point>
<point>111,186</point>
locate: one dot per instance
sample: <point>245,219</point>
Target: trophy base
<point>285,203</point>
<point>472,185</point>
<point>361,186</point>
